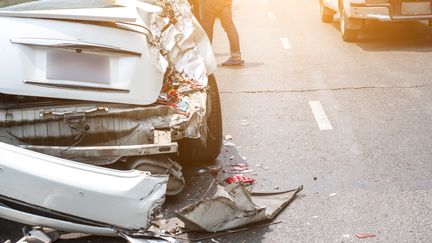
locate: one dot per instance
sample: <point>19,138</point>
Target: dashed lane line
<point>320,116</point>
<point>285,43</point>
<point>272,16</point>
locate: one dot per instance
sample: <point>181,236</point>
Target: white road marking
<point>285,43</point>
<point>272,16</point>
<point>265,2</point>
<point>320,116</point>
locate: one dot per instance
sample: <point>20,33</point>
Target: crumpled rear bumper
<point>93,199</point>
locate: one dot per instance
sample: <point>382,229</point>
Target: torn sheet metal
<point>121,199</point>
<point>232,207</point>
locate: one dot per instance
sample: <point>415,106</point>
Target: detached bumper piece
<point>42,190</point>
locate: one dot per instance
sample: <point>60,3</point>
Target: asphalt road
<point>371,173</point>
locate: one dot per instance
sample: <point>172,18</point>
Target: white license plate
<point>416,8</point>
<point>83,67</point>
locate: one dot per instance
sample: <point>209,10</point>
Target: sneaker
<point>233,62</point>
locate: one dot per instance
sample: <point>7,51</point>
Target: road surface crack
<point>325,89</point>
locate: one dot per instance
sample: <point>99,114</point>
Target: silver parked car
<point>354,12</point>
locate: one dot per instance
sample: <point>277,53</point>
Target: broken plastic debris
<point>228,137</point>
<point>239,166</point>
<point>229,144</point>
<point>364,235</point>
<point>232,207</point>
<point>215,170</point>
<point>346,236</point>
<point>202,171</point>
<point>240,180</point>
<point>183,105</point>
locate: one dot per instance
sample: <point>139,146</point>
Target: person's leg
<point>231,30</point>
<point>208,17</point>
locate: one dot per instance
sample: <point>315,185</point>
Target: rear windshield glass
<point>28,5</point>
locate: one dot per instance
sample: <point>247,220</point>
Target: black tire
<point>348,35</point>
<point>326,13</point>
<point>205,151</point>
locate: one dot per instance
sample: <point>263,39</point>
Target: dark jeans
<point>222,9</point>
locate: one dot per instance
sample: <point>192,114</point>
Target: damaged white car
<point>91,85</point>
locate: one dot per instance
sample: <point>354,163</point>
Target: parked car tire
<point>326,13</point>
<point>207,150</point>
<point>348,34</point>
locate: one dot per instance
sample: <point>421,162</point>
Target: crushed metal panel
<point>123,199</point>
<point>232,207</point>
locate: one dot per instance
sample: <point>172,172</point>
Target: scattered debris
<point>228,138</point>
<point>365,235</point>
<point>233,206</point>
<point>213,240</point>
<point>333,194</point>
<point>315,217</point>
<point>276,187</point>
<point>315,178</point>
<point>244,158</point>
<point>239,179</point>
<point>229,144</point>
<point>202,171</point>
<point>40,235</point>
<point>239,166</point>
<point>245,123</point>
<point>346,236</point>
<point>215,170</point>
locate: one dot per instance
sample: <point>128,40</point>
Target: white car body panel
<point>141,76</point>
<point>133,80</point>
<point>123,199</point>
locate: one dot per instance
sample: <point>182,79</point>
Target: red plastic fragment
<point>240,179</point>
<point>365,235</point>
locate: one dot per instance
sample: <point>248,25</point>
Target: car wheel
<point>326,13</point>
<point>208,149</point>
<point>348,35</point>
